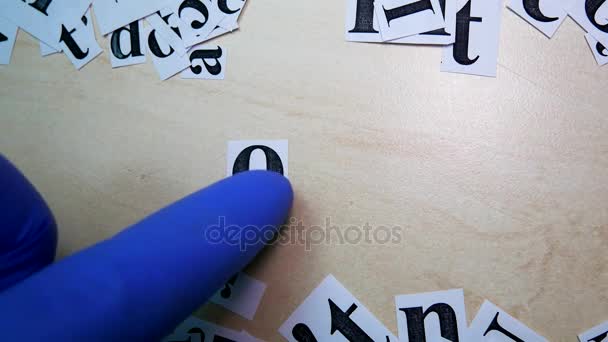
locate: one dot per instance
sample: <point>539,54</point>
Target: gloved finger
<point>141,283</point>
<point>28,234</point>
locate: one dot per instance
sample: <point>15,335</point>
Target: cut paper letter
<point>416,322</point>
<point>66,12</point>
<point>403,18</point>
<point>362,25</point>
<point>34,19</point>
<point>477,36</point>
<point>166,26</point>
<point>197,19</point>
<point>592,17</point>
<point>598,333</point>
<point>494,325</point>
<point>544,15</point>
<point>442,36</point>
<point>361,22</point>
<point>128,45</point>
<point>166,61</point>
<point>112,15</point>
<point>232,9</point>
<point>600,52</point>
<point>242,295</point>
<point>244,155</point>
<point>331,313</point>
<point>8,35</point>
<point>78,42</point>
<point>206,62</point>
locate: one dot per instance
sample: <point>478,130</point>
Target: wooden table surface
<point>500,185</point>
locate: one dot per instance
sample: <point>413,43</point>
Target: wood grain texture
<point>500,185</point>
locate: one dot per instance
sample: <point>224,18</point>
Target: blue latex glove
<point>138,285</point>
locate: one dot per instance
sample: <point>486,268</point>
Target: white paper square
<point>547,18</point>
<point>578,13</point>
<point>257,151</point>
<point>69,12</point>
<point>194,329</point>
<point>444,36</point>
<point>600,52</point>
<point>494,325</point>
<point>219,31</point>
<point>314,315</point>
<point>422,302</point>
<point>212,68</point>
<point>232,9</point>
<point>598,333</point>
<point>243,296</point>
<point>124,48</point>
<point>44,27</point>
<point>197,23</point>
<point>8,35</point>
<point>168,63</point>
<point>165,29</point>
<point>114,14</point>
<point>84,35</point>
<point>46,50</point>
<point>483,40</point>
<point>418,22</point>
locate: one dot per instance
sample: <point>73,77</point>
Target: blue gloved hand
<point>139,284</point>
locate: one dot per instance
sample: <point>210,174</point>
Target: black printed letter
<point>447,322</point>
<point>153,42</point>
<point>133,31</point>
<point>155,48</point>
<point>591,7</point>
<point>364,18</point>
<point>601,49</point>
<point>599,338</point>
<point>66,37</point>
<point>461,46</point>
<point>41,5</point>
<point>214,69</point>
<point>197,5</point>
<point>223,6</point>
<point>532,7</point>
<point>273,161</point>
<point>496,326</point>
<point>340,321</point>
<point>301,332</point>
<point>441,31</point>
<point>408,9</point>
